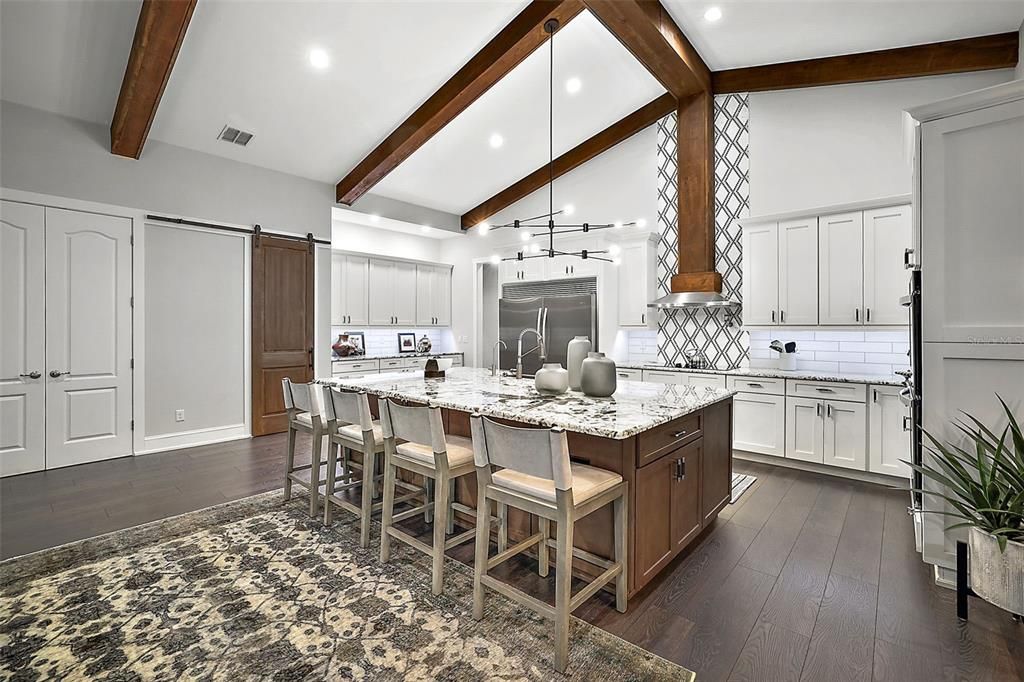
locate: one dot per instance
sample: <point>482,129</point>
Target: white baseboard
<point>188,439</point>
<point>866,476</point>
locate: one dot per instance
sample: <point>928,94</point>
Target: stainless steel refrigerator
<point>558,318</point>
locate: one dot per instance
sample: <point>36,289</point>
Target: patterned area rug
<point>256,590</point>
<point>740,484</point>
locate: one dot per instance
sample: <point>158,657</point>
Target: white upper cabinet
<point>526,270</point>
<point>841,268</point>
<point>761,274</point>
<point>443,296</point>
<point>636,282</point>
<point>404,289</point>
<point>433,295</point>
<point>392,293</point>
<point>887,236</point>
<point>349,282</point>
<point>798,272</point>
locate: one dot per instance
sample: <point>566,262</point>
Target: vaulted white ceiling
<point>245,63</point>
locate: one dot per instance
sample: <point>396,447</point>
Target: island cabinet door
<point>686,492</point>
<point>716,459</point>
<point>655,542</point>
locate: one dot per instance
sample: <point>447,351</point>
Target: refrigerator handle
<point>545,329</point>
<point>540,311</point>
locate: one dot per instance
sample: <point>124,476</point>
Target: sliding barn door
<point>22,339</point>
<point>88,337</point>
<point>282,326</point>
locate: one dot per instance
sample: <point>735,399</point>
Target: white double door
<point>65,341</point>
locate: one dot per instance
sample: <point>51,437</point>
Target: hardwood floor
<point>807,577</point>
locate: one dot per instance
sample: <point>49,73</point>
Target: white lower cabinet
<point>846,435</point>
<point>684,378</point>
<point>888,432</point>
<point>805,437</point>
<point>665,377</point>
<point>706,380</point>
<point>629,374</point>
<point>759,423</point>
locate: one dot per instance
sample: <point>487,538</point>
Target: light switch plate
<point>179,415</point>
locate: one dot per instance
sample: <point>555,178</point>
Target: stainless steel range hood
<point>693,299</point>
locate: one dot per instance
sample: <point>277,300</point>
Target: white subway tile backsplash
<point>818,345</point>
<point>864,368</point>
<point>885,358</point>
<point>865,347</point>
<point>817,366</point>
<point>839,336</point>
<point>901,348</point>
<point>838,356</point>
<point>385,341</point>
<point>892,336</point>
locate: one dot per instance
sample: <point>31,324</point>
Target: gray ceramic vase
<point>598,379</point>
<point>575,354</point>
<point>551,379</point>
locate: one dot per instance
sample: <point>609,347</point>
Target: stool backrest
<point>299,397</point>
<point>537,452</point>
<point>348,407</point>
<point>416,424</point>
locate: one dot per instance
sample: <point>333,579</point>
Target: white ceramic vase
<point>576,353</point>
<point>551,379</point>
<point>598,376</point>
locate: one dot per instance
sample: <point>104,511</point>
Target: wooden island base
<point>679,475</point>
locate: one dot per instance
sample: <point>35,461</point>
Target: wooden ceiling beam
<point>999,51</point>
<point>645,28</point>
<point>621,130</point>
<point>524,34</point>
<point>158,36</point>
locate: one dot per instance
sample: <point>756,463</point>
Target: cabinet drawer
<point>662,377</point>
<point>660,440</point>
<point>707,380</point>
<point>391,364</point>
<point>757,385</point>
<point>456,360</point>
<point>829,390</point>
<point>414,363</point>
<point>344,366</point>
<point>630,374</point>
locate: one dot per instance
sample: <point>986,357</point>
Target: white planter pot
<point>997,577</point>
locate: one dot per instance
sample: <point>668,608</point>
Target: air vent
<point>235,136</point>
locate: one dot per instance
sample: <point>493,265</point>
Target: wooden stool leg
<point>428,487</point>
<point>483,542</point>
<point>332,463</point>
<point>366,506</point>
<point>563,593</point>
<point>440,526</point>
<point>346,463</point>
<point>620,513</point>
<point>503,527</point>
<point>314,472</point>
<point>289,462</point>
<point>387,510</point>
<point>542,549</point>
<point>451,512</point>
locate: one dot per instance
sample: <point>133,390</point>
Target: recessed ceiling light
<point>496,140</point>
<point>573,85</point>
<point>526,236</point>
<point>374,218</point>
<point>318,58</point>
<point>713,14</point>
<point>568,209</point>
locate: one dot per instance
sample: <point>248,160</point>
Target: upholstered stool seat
<point>458,448</point>
<point>354,432</point>
<point>587,481</point>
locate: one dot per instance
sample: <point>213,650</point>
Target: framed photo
<point>349,344</point>
<point>358,342</point>
<point>406,342</point>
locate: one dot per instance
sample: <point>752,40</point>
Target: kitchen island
<point>672,444</point>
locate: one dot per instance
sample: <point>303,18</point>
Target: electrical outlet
<point>179,415</point>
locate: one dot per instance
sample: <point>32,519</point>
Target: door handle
<point>682,469</point>
<point>868,314</point>
<point>30,375</point>
<point>643,318</point>
<point>679,434</point>
<point>906,423</point>
<point>856,314</point>
<point>311,357</point>
<point>828,411</point>
<point>824,390</point>
<point>56,374</point>
<point>906,259</point>
<point>755,385</point>
<point>874,395</point>
<point>773,316</point>
<point>782,316</point>
<point>817,409</point>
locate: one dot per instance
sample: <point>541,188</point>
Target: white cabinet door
<point>887,235</point>
<point>382,292</point>
<point>798,272</point>
<point>632,277</point>
<point>841,268</point>
<point>761,274</point>
<point>665,377</point>
<point>426,281</point>
<point>337,290</point>
<point>534,269</point>
<point>707,380</point>
<point>443,297</point>
<point>972,261</point>
<point>804,429</point>
<point>88,337</point>
<point>846,435</point>
<point>354,290</point>
<point>22,339</point>
<point>404,294</point>
<point>759,423</point>
<point>888,432</point>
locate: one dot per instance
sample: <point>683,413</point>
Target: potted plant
<point>983,482</point>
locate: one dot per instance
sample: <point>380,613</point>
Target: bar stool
<point>303,415</point>
<point>434,456</point>
<point>352,430</point>
<point>537,477</point>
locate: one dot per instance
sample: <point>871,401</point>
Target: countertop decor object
<point>787,362</point>
<point>598,377</point>
<point>406,342</point>
<point>424,344</point>
<point>576,353</point>
<point>551,379</point>
<point>432,370</point>
<point>349,344</point>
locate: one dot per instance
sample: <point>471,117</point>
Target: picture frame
<point>349,344</point>
<point>406,342</point>
<point>359,341</point>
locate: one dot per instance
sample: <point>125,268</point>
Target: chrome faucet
<point>519,350</point>
<point>494,356</point>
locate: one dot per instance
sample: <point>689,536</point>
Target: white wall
<point>620,184</point>
<point>52,154</point>
<point>1020,53</point>
<point>195,330</point>
<point>842,143</point>
<point>364,239</point>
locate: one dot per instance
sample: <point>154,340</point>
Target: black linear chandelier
<point>553,228</point>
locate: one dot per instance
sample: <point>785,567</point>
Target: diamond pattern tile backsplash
<point>711,332</point>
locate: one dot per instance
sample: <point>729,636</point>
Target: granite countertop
<point>771,373</point>
<point>335,358</point>
<point>635,407</point>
